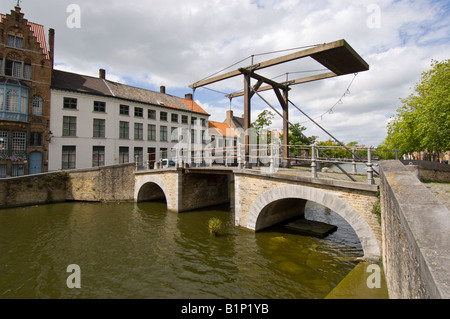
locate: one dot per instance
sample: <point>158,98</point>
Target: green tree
<point>423,121</point>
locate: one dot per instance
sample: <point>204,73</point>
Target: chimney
<point>188,96</point>
<point>229,118</point>
<point>162,89</point>
<point>51,44</point>
<point>102,74</point>
<point>229,114</point>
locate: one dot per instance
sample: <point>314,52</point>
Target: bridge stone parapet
<point>416,236</point>
<point>261,200</point>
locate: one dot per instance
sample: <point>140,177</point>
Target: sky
<point>176,43</point>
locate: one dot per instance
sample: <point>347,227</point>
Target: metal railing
<point>269,158</point>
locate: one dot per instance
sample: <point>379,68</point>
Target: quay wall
<point>108,183</point>
<point>416,237</point>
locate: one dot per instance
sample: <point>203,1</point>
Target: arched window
<point>37,105</point>
<point>12,100</point>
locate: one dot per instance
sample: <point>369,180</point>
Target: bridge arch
<point>151,187</point>
<point>299,195</point>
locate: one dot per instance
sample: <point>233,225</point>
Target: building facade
<point>26,66</point>
<point>97,122</point>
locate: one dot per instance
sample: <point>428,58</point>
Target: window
<point>14,41</point>
<point>12,101</point>
<point>37,105</point>
<point>184,135</point>
<point>193,136</point>
<point>98,156</point>
<point>124,130</point>
<point>138,131</point>
<point>18,170</point>
<point>69,126</point>
<point>163,152</point>
<point>3,142</point>
<point>193,120</point>
<point>27,71</point>
<point>163,116</point>
<point>203,122</point>
<point>3,168</point>
<point>151,132</point>
<point>151,114</point>
<point>19,140</point>
<point>99,128</point>
<point>70,103</point>
<point>174,134</point>
<point>203,137</point>
<point>139,156</point>
<point>138,112</point>
<point>16,69</point>
<point>99,106</point>
<point>124,110</point>
<point>184,119</point>
<point>68,157</point>
<point>36,139</point>
<point>163,133</point>
<point>123,155</point>
<point>13,68</point>
<point>174,118</point>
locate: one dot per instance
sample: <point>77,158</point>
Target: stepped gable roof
<point>38,31</point>
<point>94,85</point>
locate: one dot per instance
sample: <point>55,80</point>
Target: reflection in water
<point>128,250</point>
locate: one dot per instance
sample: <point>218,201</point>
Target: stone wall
<point>429,171</point>
<point>416,237</point>
<point>202,190</point>
<point>110,183</point>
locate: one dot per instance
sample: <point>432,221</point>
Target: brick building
<point>26,66</point>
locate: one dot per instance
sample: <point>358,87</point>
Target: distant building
<point>25,74</point>
<point>223,143</point>
<point>97,122</point>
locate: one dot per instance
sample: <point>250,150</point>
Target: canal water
<point>129,250</point>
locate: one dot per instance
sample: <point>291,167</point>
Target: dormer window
<point>15,41</point>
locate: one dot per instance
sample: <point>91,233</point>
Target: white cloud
<point>176,43</point>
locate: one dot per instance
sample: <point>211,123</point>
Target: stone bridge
<point>262,200</point>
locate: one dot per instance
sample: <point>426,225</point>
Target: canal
<point>130,250</point>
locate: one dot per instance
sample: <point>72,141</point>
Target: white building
<point>97,122</point>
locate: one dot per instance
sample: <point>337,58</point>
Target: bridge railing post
<point>353,160</point>
<point>369,167</point>
<point>313,161</point>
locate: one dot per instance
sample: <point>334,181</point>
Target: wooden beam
<point>289,83</point>
<point>275,61</point>
<point>264,79</point>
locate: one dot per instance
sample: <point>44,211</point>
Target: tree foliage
<point>422,123</point>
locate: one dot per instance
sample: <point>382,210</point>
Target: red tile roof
<point>222,128</point>
<point>194,106</point>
